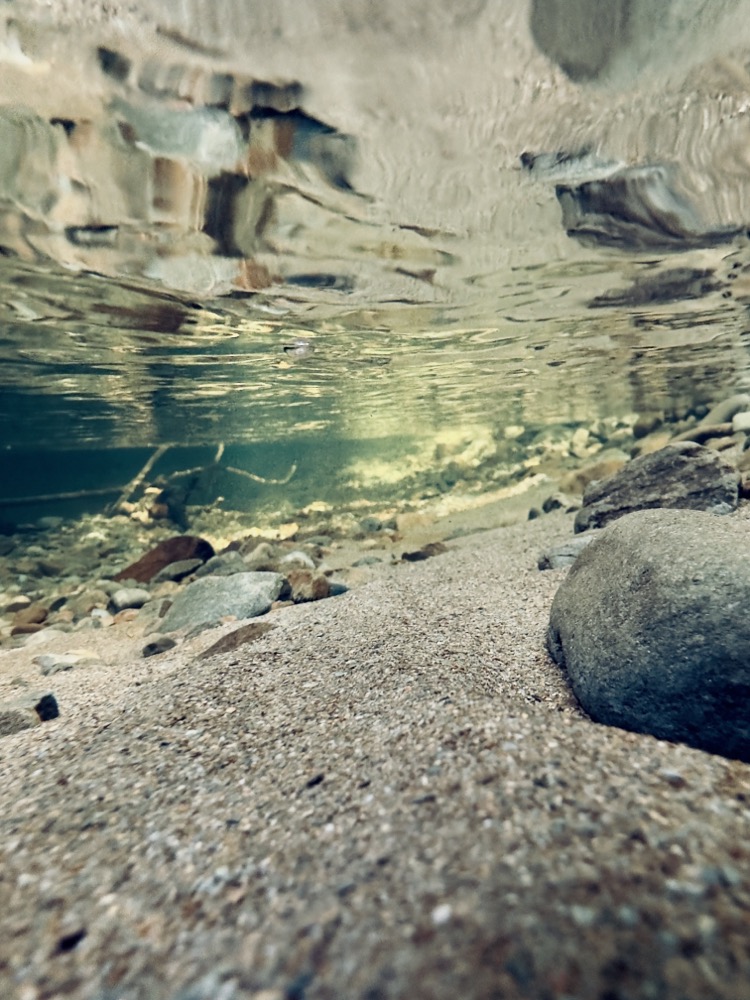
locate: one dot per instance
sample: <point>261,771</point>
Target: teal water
<point>347,281</point>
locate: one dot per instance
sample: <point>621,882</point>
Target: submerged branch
<point>263,479</point>
<point>125,492</point>
<point>105,491</point>
<point>136,481</point>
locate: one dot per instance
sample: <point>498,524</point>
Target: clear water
<point>313,238</point>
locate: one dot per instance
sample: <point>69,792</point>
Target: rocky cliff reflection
<point>472,218</point>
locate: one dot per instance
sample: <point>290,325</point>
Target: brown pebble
<point>240,636</point>
<point>169,551</point>
<point>126,615</point>
<point>307,585</point>
<point>32,615</point>
<point>426,552</point>
<point>27,628</point>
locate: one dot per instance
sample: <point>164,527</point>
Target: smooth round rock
<point>129,597</point>
<point>652,626</point>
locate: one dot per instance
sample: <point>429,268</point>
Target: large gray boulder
<point>684,475</point>
<point>205,602</point>
<point>652,627</point>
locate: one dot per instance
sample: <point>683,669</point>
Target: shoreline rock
<point>651,627</point>
<point>683,475</point>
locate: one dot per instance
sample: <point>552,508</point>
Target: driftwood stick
<point>136,481</point>
<point>197,469</point>
<point>49,497</point>
<point>262,479</point>
<point>231,468</point>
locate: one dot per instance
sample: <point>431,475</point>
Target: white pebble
<point>442,914</point>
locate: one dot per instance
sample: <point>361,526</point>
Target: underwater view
<point>374,499</point>
<point>366,258</point>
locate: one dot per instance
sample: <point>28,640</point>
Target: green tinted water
<point>355,284</point>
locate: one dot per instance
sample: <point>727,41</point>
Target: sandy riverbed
<point>390,794</point>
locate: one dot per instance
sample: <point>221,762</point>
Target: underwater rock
<point>606,464</point>
<point>158,644</point>
<point>307,585</point>
<point>650,626</point>
<point>169,551</point>
<point>53,663</point>
<point>239,637</point>
<point>206,602</point>
<point>426,552</point>
<point>647,423</point>
<point>32,614</point>
<point>297,559</point>
<point>177,571</point>
<point>43,635</point>
<point>725,411</point>
<point>566,553</point>
<point>129,597</point>
<point>676,284</point>
<point>741,422</point>
<point>684,475</point>
<point>583,38</point>
<point>651,443</point>
<point>225,564</point>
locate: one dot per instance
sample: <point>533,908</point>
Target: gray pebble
<point>129,597</point>
<point>159,644</point>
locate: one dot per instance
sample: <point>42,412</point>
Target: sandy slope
<point>391,794</point>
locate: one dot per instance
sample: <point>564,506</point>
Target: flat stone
<point>53,663</point>
<point>238,637</point>
<point>566,553</point>
<point>42,636</point>
<point>169,551</point>
<point>15,604</point>
<point>177,571</point>
<point>33,614</point>
<point>205,602</point>
<point>225,564</point>
<point>683,475</point>
<point>652,629</point>
<point>129,597</point>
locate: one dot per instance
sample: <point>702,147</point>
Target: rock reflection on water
<point>306,234</point>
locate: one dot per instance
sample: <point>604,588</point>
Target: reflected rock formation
<point>636,209</point>
<point>360,153</point>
